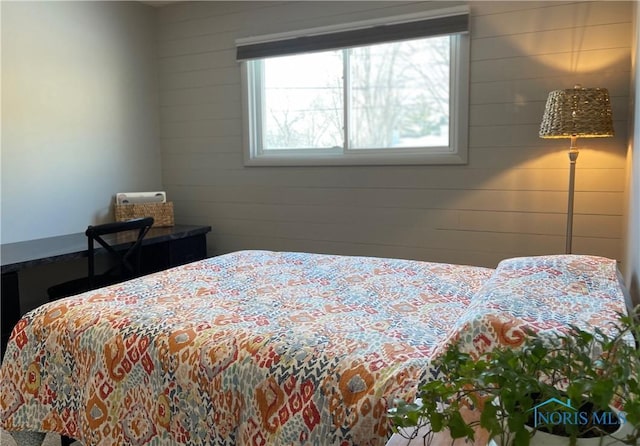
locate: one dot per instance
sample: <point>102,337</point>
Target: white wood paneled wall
<point>510,199</point>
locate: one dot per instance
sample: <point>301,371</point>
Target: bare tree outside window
<point>400,94</point>
<point>398,97</point>
<point>303,101</point>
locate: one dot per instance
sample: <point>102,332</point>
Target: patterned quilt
<point>544,294</point>
<point>249,348</point>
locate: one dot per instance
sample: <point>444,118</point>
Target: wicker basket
<point>162,213</point>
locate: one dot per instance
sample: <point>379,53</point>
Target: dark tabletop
<point>15,256</point>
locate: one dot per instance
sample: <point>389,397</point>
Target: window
<point>382,94</point>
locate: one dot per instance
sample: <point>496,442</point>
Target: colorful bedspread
<point>249,348</point>
<point>544,294</point>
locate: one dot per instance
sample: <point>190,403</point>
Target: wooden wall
<point>510,200</point>
<point>632,229</point>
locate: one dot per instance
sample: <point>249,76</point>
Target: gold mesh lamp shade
<point>583,112</point>
<point>572,113</point>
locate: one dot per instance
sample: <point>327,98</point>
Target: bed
<point>276,348</point>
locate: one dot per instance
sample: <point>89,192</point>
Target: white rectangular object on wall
<point>141,197</point>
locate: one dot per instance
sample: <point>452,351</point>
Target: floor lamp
<point>573,113</point>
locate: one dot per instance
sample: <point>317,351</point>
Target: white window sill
<point>356,160</point>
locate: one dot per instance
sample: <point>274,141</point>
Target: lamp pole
<point>573,156</point>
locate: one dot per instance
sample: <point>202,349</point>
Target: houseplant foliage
<point>592,372</point>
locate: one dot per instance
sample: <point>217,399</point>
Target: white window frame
<point>455,153</point>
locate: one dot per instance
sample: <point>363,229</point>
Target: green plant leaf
<point>458,428</point>
<point>436,420</point>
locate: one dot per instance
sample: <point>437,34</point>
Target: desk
<point>162,248</point>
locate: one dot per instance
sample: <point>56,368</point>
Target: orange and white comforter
<point>265,348</point>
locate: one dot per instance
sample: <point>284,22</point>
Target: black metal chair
<point>122,243</point>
